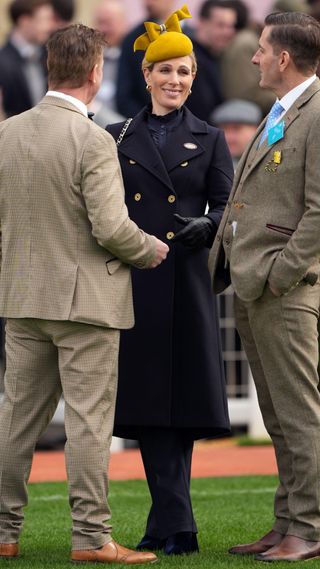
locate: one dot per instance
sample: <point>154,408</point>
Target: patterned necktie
<point>90,115</point>
<point>273,116</point>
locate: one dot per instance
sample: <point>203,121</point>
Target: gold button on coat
<point>137,197</point>
<point>132,162</point>
<point>170,234</point>
<point>184,164</point>
<point>171,198</point>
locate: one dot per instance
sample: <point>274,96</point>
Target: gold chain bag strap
<point>123,131</point>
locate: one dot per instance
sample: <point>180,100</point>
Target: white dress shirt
<point>287,101</point>
<point>76,102</point>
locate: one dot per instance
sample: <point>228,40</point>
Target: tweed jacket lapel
<point>289,117</point>
<point>244,158</point>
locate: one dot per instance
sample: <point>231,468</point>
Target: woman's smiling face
<point>169,83</point>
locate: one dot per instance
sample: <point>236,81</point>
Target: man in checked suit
<point>65,290</point>
<point>270,237</point>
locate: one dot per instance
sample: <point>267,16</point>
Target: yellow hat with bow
<point>165,41</point>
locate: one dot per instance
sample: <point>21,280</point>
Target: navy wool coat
<point>170,368</point>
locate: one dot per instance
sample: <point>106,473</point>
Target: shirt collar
<point>287,101</point>
<point>76,102</point>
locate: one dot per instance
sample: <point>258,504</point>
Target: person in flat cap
<point>171,386</point>
<point>239,120</point>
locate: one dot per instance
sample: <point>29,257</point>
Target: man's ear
<point>284,60</point>
<point>93,74</point>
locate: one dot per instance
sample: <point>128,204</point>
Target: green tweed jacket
<point>271,226</point>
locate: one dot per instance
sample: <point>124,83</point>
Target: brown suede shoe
<point>8,550</point>
<point>113,553</point>
<point>263,544</point>
<point>292,548</point>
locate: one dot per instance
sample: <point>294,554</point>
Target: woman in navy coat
<point>171,381</point>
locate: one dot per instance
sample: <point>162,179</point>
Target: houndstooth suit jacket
<point>67,241</point>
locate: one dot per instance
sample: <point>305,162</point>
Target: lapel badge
<point>273,164</point>
<point>190,145</point>
<point>277,156</point>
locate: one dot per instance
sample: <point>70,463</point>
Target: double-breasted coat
<point>170,368</point>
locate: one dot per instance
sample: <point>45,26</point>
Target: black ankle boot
<point>151,543</point>
<point>182,542</point>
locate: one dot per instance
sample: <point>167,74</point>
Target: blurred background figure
<point>240,78</point>
<point>131,92</point>
<point>2,117</point>
<point>110,19</point>
<point>239,120</point>
<point>23,71</point>
<point>314,8</point>
<point>64,12</point>
<point>214,32</point>
<point>290,6</point>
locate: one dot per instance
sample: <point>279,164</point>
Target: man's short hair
<point>242,12</point>
<point>19,8</point>
<point>65,9</point>
<point>299,34</point>
<point>72,54</point>
<point>209,5</point>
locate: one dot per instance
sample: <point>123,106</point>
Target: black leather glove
<point>198,231</point>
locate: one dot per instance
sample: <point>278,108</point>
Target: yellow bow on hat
<point>166,40</point>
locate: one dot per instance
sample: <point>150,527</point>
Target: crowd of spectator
<point>224,38</point>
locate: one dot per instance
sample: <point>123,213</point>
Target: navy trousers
<point>167,456</point>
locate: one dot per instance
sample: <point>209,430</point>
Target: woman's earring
<point>148,87</point>
<point>190,91</point>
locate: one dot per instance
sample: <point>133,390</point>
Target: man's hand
<point>161,253</point>
<point>198,231</point>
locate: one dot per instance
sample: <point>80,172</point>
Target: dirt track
<point>210,459</point>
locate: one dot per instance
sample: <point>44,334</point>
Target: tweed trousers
<point>44,359</point>
<point>280,338</point>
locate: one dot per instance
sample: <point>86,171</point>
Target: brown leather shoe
<point>9,550</point>
<point>113,553</point>
<point>292,548</point>
<point>263,544</point>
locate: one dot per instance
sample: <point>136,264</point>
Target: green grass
<point>228,511</point>
<point>245,441</point>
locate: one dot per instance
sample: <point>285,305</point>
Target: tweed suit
<point>67,243</point>
<point>270,232</point>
